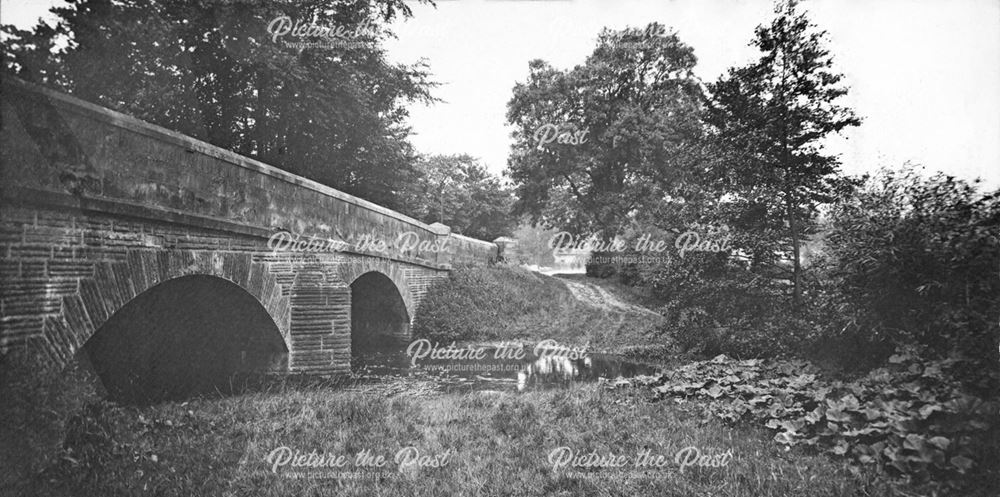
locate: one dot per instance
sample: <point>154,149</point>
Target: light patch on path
<point>595,296</point>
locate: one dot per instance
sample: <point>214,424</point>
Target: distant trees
<point>458,191</point>
<point>212,70</point>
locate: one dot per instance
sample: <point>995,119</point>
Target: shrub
<point>914,261</point>
<point>596,267</point>
<point>714,304</point>
<point>906,418</point>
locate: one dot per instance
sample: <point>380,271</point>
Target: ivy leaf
<point>816,415</point>
<point>785,438</point>
<point>913,441</point>
<point>841,448</point>
<point>728,380</point>
<point>940,442</point>
<point>720,359</point>
<point>962,463</point>
<point>872,414</point>
<point>860,431</point>
<point>927,410</point>
<point>715,391</point>
<point>898,358</point>
<point>802,381</point>
<point>793,426</point>
<point>837,415</point>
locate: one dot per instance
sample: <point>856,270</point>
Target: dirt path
<point>598,297</point>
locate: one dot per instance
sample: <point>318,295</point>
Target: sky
<point>924,74</point>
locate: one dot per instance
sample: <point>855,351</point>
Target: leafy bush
<point>906,418</point>
<point>713,304</point>
<point>902,260</point>
<point>596,268</point>
<point>914,261</point>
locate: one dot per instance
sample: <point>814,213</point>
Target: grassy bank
<point>513,304</point>
<point>500,445</point>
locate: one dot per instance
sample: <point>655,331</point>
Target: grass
<point>500,445</point>
<point>513,304</point>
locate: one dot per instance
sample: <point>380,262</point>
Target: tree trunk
<point>796,267</point>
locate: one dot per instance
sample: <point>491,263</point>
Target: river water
<point>505,374</point>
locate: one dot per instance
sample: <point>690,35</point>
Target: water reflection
<point>531,373</point>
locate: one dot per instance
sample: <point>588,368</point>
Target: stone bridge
<point>133,242</point>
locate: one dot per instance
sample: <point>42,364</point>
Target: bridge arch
<point>353,269</point>
<point>111,285</point>
<point>379,316</point>
<point>187,335</point>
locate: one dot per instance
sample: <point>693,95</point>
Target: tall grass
<point>36,404</point>
<point>500,444</point>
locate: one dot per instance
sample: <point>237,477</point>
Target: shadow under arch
<point>379,319</point>
<point>182,337</point>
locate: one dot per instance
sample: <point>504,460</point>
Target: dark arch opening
<point>379,321</point>
<point>186,336</point>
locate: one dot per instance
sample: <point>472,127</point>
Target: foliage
<point>38,404</point>
<point>769,118</point>
<point>504,303</point>
<point>714,306</point>
<point>902,260</point>
<point>211,70</point>
<point>499,443</point>
<point>906,419</point>
<point>534,244</point>
<point>458,191</point>
<point>713,302</point>
<point>913,260</point>
<point>635,103</point>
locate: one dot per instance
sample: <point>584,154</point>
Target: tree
<point>598,144</point>
<point>770,117</point>
<point>214,70</point>
<point>458,191</point>
<point>534,245</point>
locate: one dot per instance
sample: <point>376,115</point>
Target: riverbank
<point>484,444</point>
<point>514,305</point>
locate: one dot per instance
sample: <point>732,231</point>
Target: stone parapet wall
<point>466,251</point>
<point>62,149</point>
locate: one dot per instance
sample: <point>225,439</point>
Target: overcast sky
<point>924,74</point>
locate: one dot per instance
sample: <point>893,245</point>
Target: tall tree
<point>770,117</point>
<point>598,144</point>
<point>458,191</point>
<point>216,71</point>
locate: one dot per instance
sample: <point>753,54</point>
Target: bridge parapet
<point>470,251</point>
<point>61,150</point>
